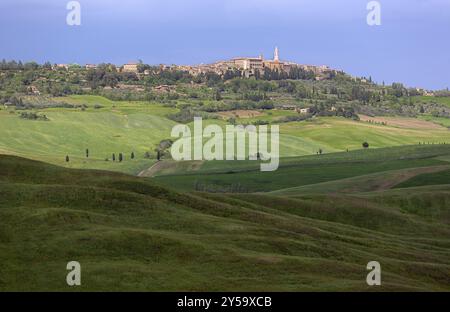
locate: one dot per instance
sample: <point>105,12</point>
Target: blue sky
<point>411,46</point>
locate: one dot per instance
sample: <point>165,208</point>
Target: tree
<point>67,158</point>
<point>217,96</point>
<point>365,145</point>
<point>132,155</point>
<point>87,153</point>
<point>120,157</point>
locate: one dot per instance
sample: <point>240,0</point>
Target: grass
<point>70,133</point>
<point>132,234</point>
<point>438,120</point>
<point>339,134</point>
<point>140,126</point>
<point>365,183</point>
<point>434,99</point>
<point>433,178</point>
<point>299,171</point>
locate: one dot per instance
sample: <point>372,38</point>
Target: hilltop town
<point>245,66</point>
<point>212,90</point>
<point>254,66</point>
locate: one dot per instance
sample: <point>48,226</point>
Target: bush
<point>187,115</point>
<point>33,116</point>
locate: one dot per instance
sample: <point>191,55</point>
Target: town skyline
<point>194,32</point>
<point>249,66</point>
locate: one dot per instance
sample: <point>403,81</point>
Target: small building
<point>90,66</point>
<point>60,66</point>
<point>288,107</point>
<point>304,110</point>
<point>34,90</point>
<point>130,68</point>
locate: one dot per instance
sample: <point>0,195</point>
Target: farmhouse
<point>304,110</point>
<point>130,68</point>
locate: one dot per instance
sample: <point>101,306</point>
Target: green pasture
<point>130,234</point>
<point>125,127</point>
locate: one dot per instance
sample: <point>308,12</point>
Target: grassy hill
<point>367,183</point>
<point>70,132</point>
<point>427,178</point>
<point>131,233</point>
<point>107,127</point>
<point>224,176</point>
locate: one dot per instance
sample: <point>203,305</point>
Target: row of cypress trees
<point>120,158</point>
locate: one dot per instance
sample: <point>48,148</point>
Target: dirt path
<point>149,172</point>
<point>374,182</point>
<point>169,166</point>
<point>391,179</point>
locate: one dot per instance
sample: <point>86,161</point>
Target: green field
<point>311,225</point>
<point>104,132</point>
<point>125,127</point>
<point>433,178</point>
<point>129,233</point>
<point>223,176</point>
<point>445,122</point>
<point>436,99</point>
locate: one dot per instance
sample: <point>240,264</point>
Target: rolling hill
<point>224,176</point>
<point>106,127</point>
<point>130,233</point>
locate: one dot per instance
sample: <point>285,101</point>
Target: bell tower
<point>276,55</point>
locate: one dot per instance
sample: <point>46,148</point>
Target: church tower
<point>276,56</point>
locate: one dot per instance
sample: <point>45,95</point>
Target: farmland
<point>156,238</point>
<point>221,176</point>
<point>85,174</point>
<point>105,127</point>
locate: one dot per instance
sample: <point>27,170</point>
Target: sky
<point>412,44</point>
